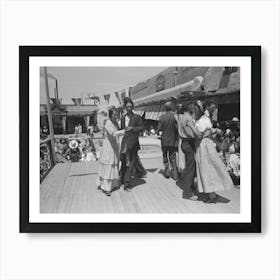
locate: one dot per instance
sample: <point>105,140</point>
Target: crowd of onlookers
<point>79,148</point>
<point>227,140</point>
<point>75,150</point>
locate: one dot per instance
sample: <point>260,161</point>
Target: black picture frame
<point>25,52</point>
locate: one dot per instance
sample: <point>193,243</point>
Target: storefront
<point>66,117</point>
<point>219,84</point>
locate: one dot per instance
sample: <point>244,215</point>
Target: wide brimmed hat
<point>73,144</point>
<point>235,119</point>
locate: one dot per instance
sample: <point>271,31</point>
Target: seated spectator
<point>61,149</point>
<point>83,154</point>
<point>45,130</point>
<point>43,133</point>
<point>73,153</point>
<point>233,163</point>
<point>91,155</point>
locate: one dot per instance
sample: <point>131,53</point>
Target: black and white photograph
<point>140,139</point>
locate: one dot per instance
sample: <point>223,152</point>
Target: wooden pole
<point>50,115</point>
<point>56,91</point>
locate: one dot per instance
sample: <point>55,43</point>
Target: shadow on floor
<point>152,170</point>
<point>136,182</point>
<point>201,196</point>
<point>84,174</point>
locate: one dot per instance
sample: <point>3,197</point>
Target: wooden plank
<point>51,188</point>
<point>71,188</point>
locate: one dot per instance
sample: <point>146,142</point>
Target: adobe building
<point>187,84</point>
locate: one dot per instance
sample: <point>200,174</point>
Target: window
<point>160,83</point>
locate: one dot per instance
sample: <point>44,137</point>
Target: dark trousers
<point>127,164</point>
<point>139,169</point>
<point>123,167</point>
<point>169,160</point>
<point>190,169</point>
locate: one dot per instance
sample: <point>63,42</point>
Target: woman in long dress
<point>212,174</point>
<point>180,154</point>
<point>108,175</point>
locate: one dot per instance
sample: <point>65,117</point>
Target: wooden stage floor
<point>70,188</point>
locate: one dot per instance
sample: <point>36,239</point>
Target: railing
<point>46,158</point>
<point>150,148</point>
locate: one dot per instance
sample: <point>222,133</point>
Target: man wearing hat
<point>168,126</point>
<point>132,124</point>
<point>73,151</point>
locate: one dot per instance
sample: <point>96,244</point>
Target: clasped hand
<point>129,128</point>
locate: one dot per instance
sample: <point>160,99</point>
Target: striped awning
<point>148,111</point>
<point>161,111</point>
<point>156,110</point>
<point>153,112</point>
<point>139,111</point>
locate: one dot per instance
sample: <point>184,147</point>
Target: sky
<point>72,81</point>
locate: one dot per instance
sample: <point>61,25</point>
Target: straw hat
<point>73,144</point>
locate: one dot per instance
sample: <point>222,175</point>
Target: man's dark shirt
<point>168,126</point>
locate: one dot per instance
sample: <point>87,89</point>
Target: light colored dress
<point>108,174</point>
<point>212,174</point>
<point>180,156</point>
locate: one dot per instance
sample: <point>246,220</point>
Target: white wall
<point>139,256</point>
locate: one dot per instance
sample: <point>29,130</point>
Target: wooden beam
<point>50,115</point>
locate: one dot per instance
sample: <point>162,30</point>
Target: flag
<point>107,97</point>
<point>123,95</point>
<point>118,97</point>
<point>95,98</point>
<point>77,101</point>
<point>56,101</point>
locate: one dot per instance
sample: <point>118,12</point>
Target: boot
<point>174,169</point>
<point>166,172</point>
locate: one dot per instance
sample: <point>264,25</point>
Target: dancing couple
<point>201,158</point>
<point>114,150</point>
